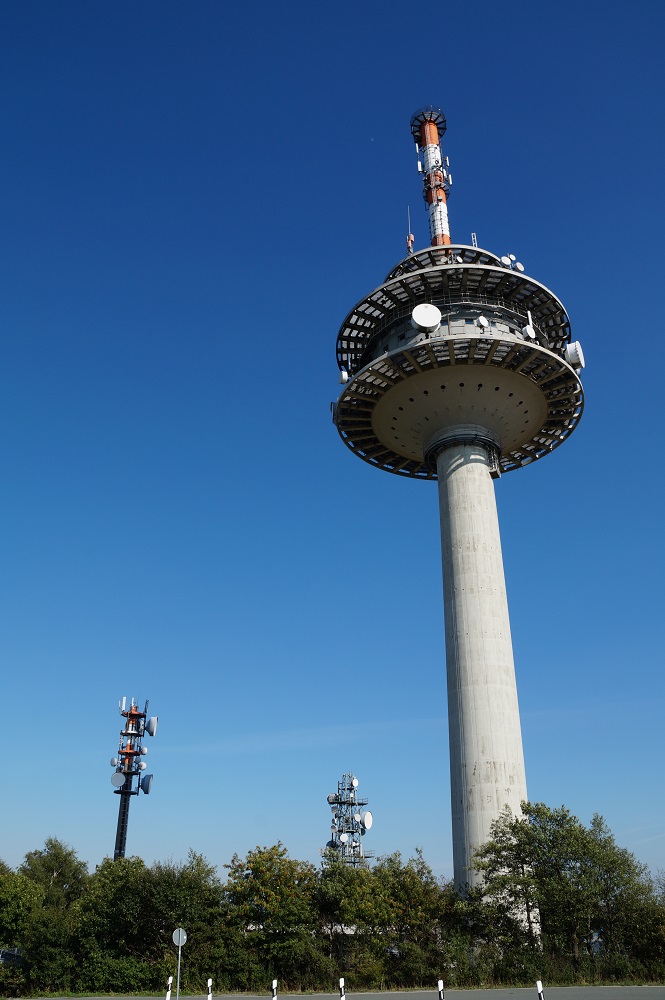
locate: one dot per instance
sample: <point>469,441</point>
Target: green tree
<point>347,917</point>
<point>111,945</point>
<point>47,945</point>
<point>184,894</point>
<point>58,870</point>
<point>271,899</point>
<point>589,893</point>
<point>20,901</point>
<point>407,902</point>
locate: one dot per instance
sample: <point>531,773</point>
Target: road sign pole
<point>179,938</point>
<point>177,982</point>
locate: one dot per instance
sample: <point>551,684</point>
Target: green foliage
<point>561,902</point>
<point>20,900</point>
<point>572,890</point>
<point>60,873</point>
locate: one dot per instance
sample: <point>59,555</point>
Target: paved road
<point>551,993</point>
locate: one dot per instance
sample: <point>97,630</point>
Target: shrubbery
<point>594,916</point>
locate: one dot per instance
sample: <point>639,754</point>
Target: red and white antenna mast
<point>129,764</point>
<point>427,127</point>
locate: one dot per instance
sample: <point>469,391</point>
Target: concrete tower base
<point>486,757</point>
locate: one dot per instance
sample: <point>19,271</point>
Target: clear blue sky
<point>193,196</point>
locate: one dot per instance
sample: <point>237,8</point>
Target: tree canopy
<point>569,888</point>
<point>560,902</point>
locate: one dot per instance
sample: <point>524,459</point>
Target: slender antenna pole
<point>409,234</point>
<point>427,127</point>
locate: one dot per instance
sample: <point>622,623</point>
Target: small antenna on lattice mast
<point>409,235</point>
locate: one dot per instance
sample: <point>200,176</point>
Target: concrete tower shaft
<point>486,757</point>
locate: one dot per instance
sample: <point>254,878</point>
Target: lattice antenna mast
<point>129,765</point>
<point>350,822</point>
<point>427,127</point>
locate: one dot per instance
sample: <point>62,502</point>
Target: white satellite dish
<point>354,781</point>
<point>117,779</point>
<point>505,261</point>
<point>142,766</point>
<point>146,783</point>
<point>343,837</point>
<point>357,817</point>
<point>483,322</point>
<point>114,761</point>
<point>368,819</point>
<point>151,725</point>
<point>519,267</point>
<point>426,318</point>
<point>512,257</point>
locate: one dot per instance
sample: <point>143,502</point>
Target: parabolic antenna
<point>574,354</point>
<point>117,779</point>
<point>357,817</point>
<point>505,261</point>
<point>426,317</point>
<point>332,799</point>
<point>354,782</point>
<point>367,820</point>
<point>114,761</point>
<point>343,837</point>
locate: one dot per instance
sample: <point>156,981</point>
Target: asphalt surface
<point>550,993</point>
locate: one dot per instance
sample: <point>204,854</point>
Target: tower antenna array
<point>350,822</point>
<point>458,368</point>
<point>129,765</point>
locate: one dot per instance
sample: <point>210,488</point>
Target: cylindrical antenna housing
<point>427,127</point>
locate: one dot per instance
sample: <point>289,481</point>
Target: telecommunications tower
<point>350,822</point>
<point>128,765</point>
<point>460,367</point>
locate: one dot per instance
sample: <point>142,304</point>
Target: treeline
<point>561,902</point>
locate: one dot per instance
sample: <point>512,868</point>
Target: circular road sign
<point>179,936</point>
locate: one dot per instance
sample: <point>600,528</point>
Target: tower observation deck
<point>460,367</point>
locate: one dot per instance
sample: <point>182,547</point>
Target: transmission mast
<point>350,822</point>
<point>128,765</point>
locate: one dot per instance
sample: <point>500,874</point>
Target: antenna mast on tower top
<point>427,128</point>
